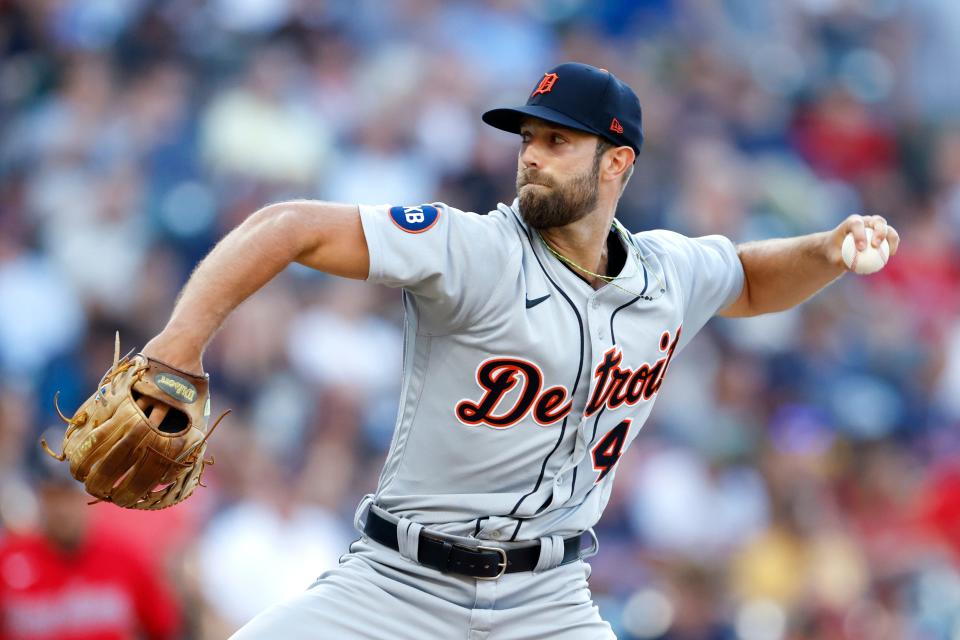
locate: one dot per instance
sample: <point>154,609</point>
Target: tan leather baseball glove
<point>139,441</point>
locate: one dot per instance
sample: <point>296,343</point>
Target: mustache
<point>533,176</point>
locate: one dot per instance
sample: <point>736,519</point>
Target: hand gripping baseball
<point>863,244</point>
<point>139,441</point>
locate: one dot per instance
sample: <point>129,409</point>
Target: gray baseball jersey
<point>522,385</point>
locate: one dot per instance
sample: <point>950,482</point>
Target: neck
<point>584,243</point>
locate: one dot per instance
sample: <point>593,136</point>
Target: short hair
<point>604,145</point>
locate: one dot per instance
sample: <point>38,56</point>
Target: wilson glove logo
<point>176,387</point>
<point>414,219</point>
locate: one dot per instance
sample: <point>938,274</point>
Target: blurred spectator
<point>681,505</point>
<point>273,540</point>
<point>28,281</point>
<point>263,130</point>
<point>63,583</point>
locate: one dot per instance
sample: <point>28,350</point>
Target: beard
<point>557,205</point>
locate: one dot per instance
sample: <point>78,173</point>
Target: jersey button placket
<point>595,320</point>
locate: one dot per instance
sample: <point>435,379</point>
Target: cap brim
<point>509,119</point>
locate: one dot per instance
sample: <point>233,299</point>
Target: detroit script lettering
<point>615,386</point>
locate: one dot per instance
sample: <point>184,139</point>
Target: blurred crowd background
<point>799,478</point>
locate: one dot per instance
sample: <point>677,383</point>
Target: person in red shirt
<point>62,584</point>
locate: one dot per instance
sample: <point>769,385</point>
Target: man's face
<point>557,174</point>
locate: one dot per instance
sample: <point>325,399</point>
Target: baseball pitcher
<point>537,338</point>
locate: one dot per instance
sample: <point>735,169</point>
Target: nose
<point>529,156</point>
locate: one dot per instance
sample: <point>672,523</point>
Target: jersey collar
<point>646,271</point>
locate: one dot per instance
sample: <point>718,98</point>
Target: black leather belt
<point>484,563</point>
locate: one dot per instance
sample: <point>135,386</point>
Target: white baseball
<point>870,260</point>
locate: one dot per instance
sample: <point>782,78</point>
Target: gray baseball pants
<point>376,593</point>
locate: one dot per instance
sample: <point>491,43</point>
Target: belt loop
<point>408,538</point>
<point>594,548</point>
<point>359,516</point>
<point>551,553</point>
<point>445,562</point>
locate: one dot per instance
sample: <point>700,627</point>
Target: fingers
<point>857,225</point>
<point>158,414</point>
<point>893,239</point>
<point>879,226</point>
<point>153,410</point>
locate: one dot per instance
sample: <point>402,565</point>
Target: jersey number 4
<point>607,452</point>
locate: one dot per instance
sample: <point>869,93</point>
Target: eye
<point>525,136</point>
<point>558,139</point>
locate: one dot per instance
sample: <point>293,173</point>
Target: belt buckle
<point>502,564</point>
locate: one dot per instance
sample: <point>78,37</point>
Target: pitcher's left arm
<point>783,272</point>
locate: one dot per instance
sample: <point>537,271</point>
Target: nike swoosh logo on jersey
<point>532,303</point>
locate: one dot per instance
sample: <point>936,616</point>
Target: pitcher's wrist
<point>176,348</point>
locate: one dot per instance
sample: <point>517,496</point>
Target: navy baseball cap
<point>581,97</point>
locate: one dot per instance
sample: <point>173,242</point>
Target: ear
<point>616,161</point>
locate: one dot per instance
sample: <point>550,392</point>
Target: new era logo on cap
<point>581,97</point>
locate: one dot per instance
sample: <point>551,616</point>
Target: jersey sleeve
<point>452,261</point>
<point>709,272</point>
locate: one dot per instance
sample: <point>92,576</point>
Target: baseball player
<point>537,338</point>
